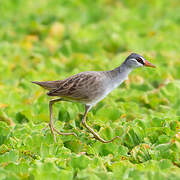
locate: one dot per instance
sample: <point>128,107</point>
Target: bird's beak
<point>147,63</point>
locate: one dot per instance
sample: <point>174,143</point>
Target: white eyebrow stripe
<point>143,59</point>
<point>134,59</point>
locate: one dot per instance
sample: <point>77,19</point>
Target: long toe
<point>66,134</point>
<point>113,139</point>
<point>105,141</point>
<point>55,138</point>
<point>43,129</point>
<point>74,134</point>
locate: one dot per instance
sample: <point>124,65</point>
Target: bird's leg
<point>51,102</point>
<point>96,136</point>
<point>43,129</point>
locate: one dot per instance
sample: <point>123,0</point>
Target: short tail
<point>49,85</point>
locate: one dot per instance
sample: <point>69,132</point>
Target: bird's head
<point>135,60</point>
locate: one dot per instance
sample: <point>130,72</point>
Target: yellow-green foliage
<point>51,40</point>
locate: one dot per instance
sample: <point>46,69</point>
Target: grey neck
<point>119,74</point>
<point>123,68</point>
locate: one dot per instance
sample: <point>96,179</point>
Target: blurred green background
<point>51,40</point>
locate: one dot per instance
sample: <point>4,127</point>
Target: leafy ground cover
<point>51,40</point>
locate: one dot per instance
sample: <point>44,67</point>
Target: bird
<point>88,88</point>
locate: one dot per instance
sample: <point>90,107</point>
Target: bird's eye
<point>140,60</point>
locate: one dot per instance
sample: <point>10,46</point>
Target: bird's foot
<point>53,130</point>
<point>63,133</point>
<point>43,129</point>
<point>97,137</point>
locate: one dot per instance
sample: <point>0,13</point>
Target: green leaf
<point>165,164</point>
<point>11,156</point>
<point>80,162</point>
<point>21,118</point>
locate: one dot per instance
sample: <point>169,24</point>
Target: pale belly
<point>109,88</point>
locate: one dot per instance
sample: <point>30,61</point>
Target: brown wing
<point>82,86</point>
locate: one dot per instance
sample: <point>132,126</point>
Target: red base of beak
<point>147,63</point>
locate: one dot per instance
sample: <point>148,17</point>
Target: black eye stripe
<point>140,60</point>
